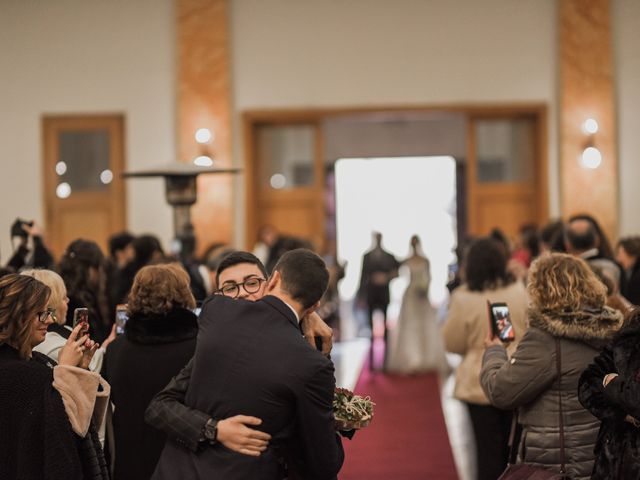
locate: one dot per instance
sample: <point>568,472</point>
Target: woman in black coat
<point>159,339</point>
<point>628,255</point>
<point>610,389</point>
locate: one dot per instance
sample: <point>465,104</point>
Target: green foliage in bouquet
<point>351,411</point>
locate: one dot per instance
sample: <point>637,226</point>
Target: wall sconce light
<point>204,136</point>
<point>590,157</point>
<point>590,126</point>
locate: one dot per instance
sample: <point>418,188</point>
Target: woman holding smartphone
<point>46,409</point>
<point>568,325</point>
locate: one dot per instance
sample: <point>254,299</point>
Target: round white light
<point>278,181</point>
<point>106,176</point>
<point>61,168</point>
<point>203,161</point>
<point>591,158</point>
<point>590,126</point>
<point>63,190</point>
<point>203,135</point>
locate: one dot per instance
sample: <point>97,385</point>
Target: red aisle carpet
<point>407,439</point>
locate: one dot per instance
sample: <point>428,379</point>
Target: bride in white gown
<point>416,343</point>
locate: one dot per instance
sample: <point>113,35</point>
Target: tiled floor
<point>458,426</point>
<point>348,358</point>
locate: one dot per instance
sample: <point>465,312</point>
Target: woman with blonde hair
<point>58,332</point>
<point>569,323</point>
<point>159,339</point>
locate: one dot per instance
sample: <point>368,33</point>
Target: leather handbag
<point>524,471</point>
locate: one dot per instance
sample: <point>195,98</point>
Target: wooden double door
<point>504,170</point>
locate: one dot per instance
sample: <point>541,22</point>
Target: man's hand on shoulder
<point>236,434</point>
<point>313,326</point>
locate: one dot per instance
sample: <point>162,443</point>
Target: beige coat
<point>467,326</point>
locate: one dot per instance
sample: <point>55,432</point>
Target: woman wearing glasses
<point>57,331</point>
<point>159,339</point>
<point>46,408</point>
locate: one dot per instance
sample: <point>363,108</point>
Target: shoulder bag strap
<point>513,453</point>
<point>561,422</point>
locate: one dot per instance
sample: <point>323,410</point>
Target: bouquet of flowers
<point>351,412</point>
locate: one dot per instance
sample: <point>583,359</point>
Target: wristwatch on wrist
<point>211,431</point>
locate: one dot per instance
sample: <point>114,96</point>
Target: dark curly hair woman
<point>610,389</point>
<point>82,269</point>
<point>485,279</point>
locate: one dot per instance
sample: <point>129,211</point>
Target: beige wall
<point>292,53</point>
<point>69,56</point>
<point>74,56</point>
<point>626,37</point>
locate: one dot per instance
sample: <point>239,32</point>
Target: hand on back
<point>236,434</point>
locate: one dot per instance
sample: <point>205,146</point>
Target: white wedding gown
<point>416,342</point>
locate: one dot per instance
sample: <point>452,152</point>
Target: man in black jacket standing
<point>263,368</point>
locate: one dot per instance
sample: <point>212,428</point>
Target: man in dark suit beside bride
<point>251,359</point>
<point>379,267</point>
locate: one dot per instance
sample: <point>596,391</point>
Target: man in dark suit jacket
<point>379,267</point>
<point>263,368</point>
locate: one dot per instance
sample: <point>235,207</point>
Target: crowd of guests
<point>75,399</point>
<point>95,404</point>
<point>567,388</point>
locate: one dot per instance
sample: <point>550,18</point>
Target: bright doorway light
<point>398,197</point>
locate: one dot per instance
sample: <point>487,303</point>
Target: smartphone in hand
<point>121,318</point>
<point>500,322</point>
<point>81,315</point>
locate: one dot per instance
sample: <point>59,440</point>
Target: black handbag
<point>524,471</point>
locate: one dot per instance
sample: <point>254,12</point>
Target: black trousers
<point>491,427</point>
<point>383,308</point>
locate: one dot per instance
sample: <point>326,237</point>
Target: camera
<point>17,230</point>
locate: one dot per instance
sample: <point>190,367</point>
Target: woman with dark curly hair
<point>159,339</point>
<point>569,324</point>
<point>628,256</point>
<point>610,389</point>
<point>82,269</point>
<point>485,279</point>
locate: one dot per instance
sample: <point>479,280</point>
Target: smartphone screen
<point>121,318</point>
<point>81,315</point>
<point>501,322</point>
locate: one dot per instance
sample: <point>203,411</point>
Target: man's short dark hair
<point>304,276</point>
<point>236,258</point>
<point>581,239</point>
<point>119,241</point>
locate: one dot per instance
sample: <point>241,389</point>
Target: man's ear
<point>311,309</point>
<point>274,280</point>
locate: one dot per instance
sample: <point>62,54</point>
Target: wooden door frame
<point>252,119</point>
<point>540,167</point>
<point>51,125</point>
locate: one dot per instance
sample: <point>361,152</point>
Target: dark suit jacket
<point>264,368</point>
<point>376,261</point>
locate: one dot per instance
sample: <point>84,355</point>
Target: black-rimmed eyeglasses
<point>232,290</point>
<point>42,316</point>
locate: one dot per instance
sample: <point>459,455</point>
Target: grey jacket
<point>529,382</point>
